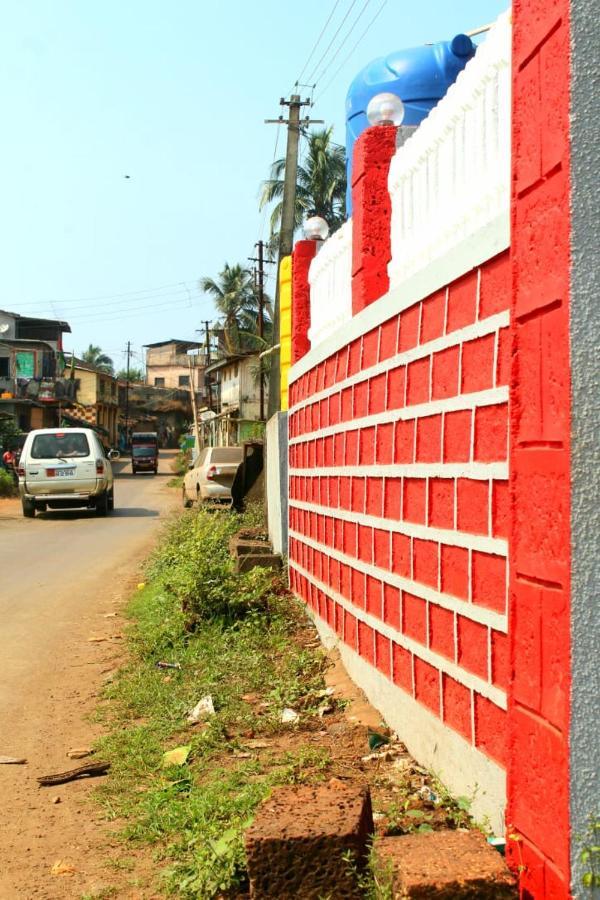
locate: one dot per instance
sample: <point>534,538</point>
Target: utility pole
<point>194,409</point>
<point>206,377</point>
<point>259,282</point>
<point>287,227</point>
<point>127,396</point>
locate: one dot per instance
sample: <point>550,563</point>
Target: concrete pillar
<point>303,255</point>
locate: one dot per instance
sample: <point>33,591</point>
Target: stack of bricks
<point>399,508</point>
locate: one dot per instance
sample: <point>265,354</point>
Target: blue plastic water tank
<point>420,76</point>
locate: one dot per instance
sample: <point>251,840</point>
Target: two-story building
<point>33,386</point>
<point>236,399</point>
<point>168,366</point>
<point>97,400</point>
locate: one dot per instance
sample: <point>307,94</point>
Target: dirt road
<point>64,577</point>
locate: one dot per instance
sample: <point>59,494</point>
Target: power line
<point>161,287</point>
<point>104,303</point>
<point>349,56</point>
<point>343,41</point>
<point>331,42</point>
<point>318,41</point>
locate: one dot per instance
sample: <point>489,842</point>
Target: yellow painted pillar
<point>285,325</point>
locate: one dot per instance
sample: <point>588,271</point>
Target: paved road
<point>63,579</point>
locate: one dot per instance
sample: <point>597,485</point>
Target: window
<point>184,381</point>
<point>159,382</point>
<point>59,446</point>
<point>4,367</point>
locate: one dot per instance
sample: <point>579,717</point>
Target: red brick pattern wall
<point>538,786</point>
<point>399,507</point>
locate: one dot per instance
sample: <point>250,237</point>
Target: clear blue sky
<point>174,95</point>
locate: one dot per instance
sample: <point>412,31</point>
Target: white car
<point>63,468</point>
<point>211,475</point>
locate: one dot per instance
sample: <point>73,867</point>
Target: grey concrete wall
<point>585,428</point>
<point>277,481</point>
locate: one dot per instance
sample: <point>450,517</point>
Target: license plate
<point>60,473</point>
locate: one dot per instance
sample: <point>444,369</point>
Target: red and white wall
<point>431,525</point>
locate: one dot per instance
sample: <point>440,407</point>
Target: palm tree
<point>236,299</point>
<point>320,184</point>
<point>96,357</point>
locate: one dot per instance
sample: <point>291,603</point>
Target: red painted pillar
<point>302,256</point>
<point>371,214</point>
<point>539,616</point>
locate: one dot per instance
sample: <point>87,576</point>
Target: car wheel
<point>185,499</point>
<point>102,506</point>
<point>111,500</point>
<point>134,471</point>
<point>28,508</point>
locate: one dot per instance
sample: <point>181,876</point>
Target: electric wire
<point>350,54</point>
<point>161,287</point>
<point>332,41</point>
<point>318,41</point>
<point>344,40</point>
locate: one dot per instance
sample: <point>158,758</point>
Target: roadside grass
<point>7,484</point>
<point>231,636</point>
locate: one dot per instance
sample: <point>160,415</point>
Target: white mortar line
<point>480,614</point>
<point>477,471</point>
<point>470,332</point>
<point>495,546</point>
<point>468,679</point>
<point>490,397</point>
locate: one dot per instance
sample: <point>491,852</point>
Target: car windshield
<point>226,455</point>
<point>143,451</point>
<point>63,444</point>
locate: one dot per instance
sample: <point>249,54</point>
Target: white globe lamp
<point>316,229</point>
<point>385,109</point>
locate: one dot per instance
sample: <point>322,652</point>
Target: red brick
<point>330,364</point>
<point>409,328</point>
<point>457,706</point>
<point>333,491</point>
<point>345,497</point>
<point>349,538</point>
<point>489,581</point>
<point>347,411</point>
<point>417,386</point>
<point>425,562</point>
<point>404,441</point>
<point>462,302</point>
<point>360,401</point>
<point>491,433</point>
<point>369,348</point>
<point>381,544</point>
<point>401,555</point>
<point>358,494</point>
<point>441,630</point>
<point>335,408</point>
<point>500,659</point>
<point>444,379</point>
<point>366,453</point>
<point>472,505</point>
<point>388,339</point>
<point>377,393</point>
<point>457,436</point>
<point>414,617</point>
<point>427,685</point>
<point>383,659</point>
<point>351,448</point>
<point>396,387</point>
<point>324,413</point>
<point>366,642</point>
<point>391,606</point>
<point>328,450</point>
<point>472,646</point>
<point>429,438</point>
<point>350,630</point>
<point>477,364</point>
<point>491,729</point>
<point>339,620</point>
<point>384,444</point>
<point>358,588</point>
<point>500,509</point>
<point>402,668</point>
<point>415,499</point>
<point>374,502</point>
<point>339,443</point>
<point>354,356</point>
<point>495,288</point>
<point>433,311</point>
<point>392,498</point>
<point>374,593</point>
<point>556,657</point>
<point>365,543</point>
<point>441,502</point>
<point>503,360</point>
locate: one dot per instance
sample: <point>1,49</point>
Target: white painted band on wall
<point>472,611</point>
<point>475,470</point>
<point>442,663</point>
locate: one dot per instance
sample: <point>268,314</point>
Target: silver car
<point>63,468</point>
<point>211,475</point>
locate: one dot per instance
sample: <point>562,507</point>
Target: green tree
<point>134,374</point>
<point>320,184</point>
<point>96,357</point>
<point>236,299</point>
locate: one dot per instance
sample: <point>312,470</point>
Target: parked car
<point>63,468</point>
<point>211,475</point>
<point>144,452</point>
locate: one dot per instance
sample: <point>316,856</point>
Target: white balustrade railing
<point>452,176</point>
<point>330,279</point>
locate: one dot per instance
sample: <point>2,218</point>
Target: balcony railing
<point>41,390</point>
<point>330,280</point>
